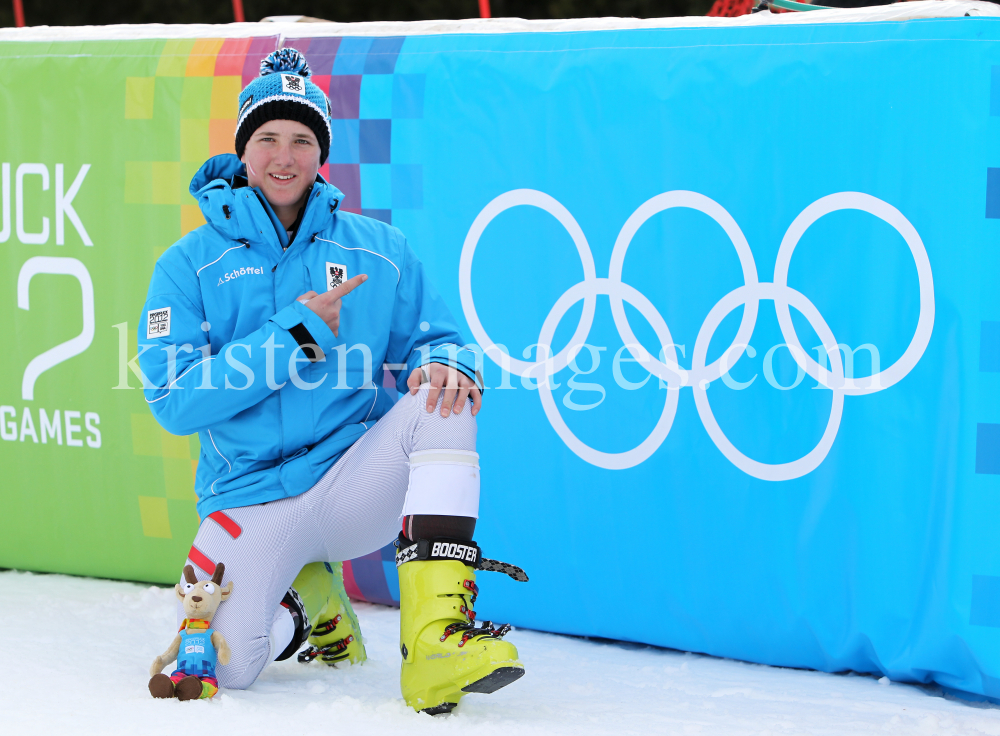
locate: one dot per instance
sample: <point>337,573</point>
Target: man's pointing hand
<point>327,305</point>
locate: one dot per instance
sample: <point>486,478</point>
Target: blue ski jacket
<point>226,350</point>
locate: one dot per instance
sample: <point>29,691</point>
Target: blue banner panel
<point>737,290</point>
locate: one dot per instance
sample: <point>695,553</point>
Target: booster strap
<point>467,552</point>
<point>439,548</point>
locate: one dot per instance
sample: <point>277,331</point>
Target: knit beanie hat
<point>283,91</point>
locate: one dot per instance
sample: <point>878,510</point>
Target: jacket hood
<point>239,215</point>
<point>224,166</point>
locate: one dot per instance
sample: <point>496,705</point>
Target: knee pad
<point>443,483</point>
<point>246,664</point>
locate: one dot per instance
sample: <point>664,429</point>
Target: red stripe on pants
<point>198,557</point>
<point>226,523</point>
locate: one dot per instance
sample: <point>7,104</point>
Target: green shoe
<point>445,655</point>
<point>336,635</point>
<point>314,584</point>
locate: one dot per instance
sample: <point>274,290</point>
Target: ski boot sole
<point>440,710</point>
<point>497,679</point>
<point>489,684</point>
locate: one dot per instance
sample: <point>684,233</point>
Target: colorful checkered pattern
<point>367,97</point>
<point>166,508</point>
<point>984,608</point>
<point>203,79</point>
<point>373,578</point>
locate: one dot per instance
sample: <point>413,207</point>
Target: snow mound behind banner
<point>881,13</point>
<point>76,654</point>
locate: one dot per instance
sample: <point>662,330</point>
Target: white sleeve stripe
<point>174,382</point>
<point>220,455</point>
<point>366,251</point>
<point>198,272</point>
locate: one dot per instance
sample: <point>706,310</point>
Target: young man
<point>261,331</point>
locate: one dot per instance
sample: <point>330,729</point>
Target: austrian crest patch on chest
<point>336,274</point>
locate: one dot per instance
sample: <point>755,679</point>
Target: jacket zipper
<point>274,302</point>
<point>281,258</point>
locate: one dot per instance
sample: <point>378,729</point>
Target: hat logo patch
<point>293,83</point>
<point>249,101</point>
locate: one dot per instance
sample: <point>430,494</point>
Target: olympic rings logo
<point>699,375</point>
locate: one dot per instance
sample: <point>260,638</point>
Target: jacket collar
<point>240,212</point>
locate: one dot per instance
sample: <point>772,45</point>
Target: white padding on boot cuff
<point>443,483</point>
<point>282,631</point>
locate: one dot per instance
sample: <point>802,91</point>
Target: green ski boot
<point>336,635</point>
<point>445,654</point>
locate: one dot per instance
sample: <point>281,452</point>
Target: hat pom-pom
<point>285,61</point>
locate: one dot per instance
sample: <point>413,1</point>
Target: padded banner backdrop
<point>737,288</point>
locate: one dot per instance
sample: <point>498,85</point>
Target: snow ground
<point>75,653</point>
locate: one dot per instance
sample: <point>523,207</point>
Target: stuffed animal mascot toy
<point>196,646</point>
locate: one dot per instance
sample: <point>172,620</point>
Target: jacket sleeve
<point>423,330</point>
<point>188,385</point>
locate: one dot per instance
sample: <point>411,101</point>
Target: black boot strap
<point>505,567</point>
<point>468,552</point>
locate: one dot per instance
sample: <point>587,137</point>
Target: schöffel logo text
<point>454,551</point>
<point>237,272</point>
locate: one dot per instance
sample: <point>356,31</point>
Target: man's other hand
<point>457,388</point>
<point>327,305</point>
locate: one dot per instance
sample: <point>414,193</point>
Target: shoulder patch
<point>158,323</point>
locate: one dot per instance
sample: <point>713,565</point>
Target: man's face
<point>282,158</point>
